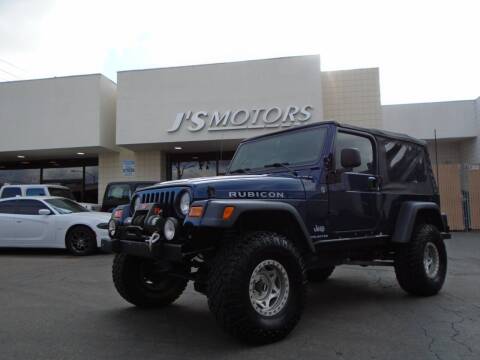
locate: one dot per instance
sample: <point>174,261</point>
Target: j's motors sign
<point>241,119</point>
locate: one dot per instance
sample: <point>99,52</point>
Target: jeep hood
<point>267,186</point>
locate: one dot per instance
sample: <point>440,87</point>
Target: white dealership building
<point>167,123</point>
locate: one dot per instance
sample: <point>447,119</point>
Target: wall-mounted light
<point>178,148</point>
<point>80,153</point>
<point>21,156</point>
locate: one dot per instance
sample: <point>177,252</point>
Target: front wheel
<point>256,288</point>
<point>81,241</point>
<point>421,265</point>
<point>143,283</point>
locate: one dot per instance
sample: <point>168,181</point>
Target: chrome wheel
<point>269,288</point>
<point>431,260</point>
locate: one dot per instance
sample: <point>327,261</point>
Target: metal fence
<point>460,195</point>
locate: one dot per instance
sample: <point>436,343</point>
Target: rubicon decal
<point>256,195</point>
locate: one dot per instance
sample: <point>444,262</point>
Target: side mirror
<point>350,158</point>
<point>44,212</point>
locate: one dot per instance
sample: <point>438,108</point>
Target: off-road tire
<point>229,292</point>
<point>409,262</point>
<point>318,275</point>
<point>88,237</point>
<point>130,283</point>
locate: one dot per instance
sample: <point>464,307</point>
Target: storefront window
<point>223,166</point>
<point>71,177</point>
<point>80,176</point>
<point>193,169</point>
<point>20,176</point>
<point>187,166</point>
<point>91,184</point>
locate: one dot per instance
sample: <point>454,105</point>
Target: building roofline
<point>57,77</point>
<point>354,69</point>
<point>432,102</point>
<point>220,63</point>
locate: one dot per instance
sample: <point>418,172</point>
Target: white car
<point>51,222</point>
<point>9,191</point>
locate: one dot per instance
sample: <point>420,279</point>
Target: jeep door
<point>353,193</point>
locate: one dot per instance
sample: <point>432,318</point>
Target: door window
<point>11,192</point>
<point>362,144</point>
<point>29,207</point>
<point>7,207</point>
<point>35,192</point>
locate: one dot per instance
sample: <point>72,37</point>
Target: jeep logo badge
<point>256,195</point>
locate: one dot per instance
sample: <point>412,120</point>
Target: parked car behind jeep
<point>20,190</point>
<point>120,193</point>
<point>293,206</point>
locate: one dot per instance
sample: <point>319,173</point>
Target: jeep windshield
<point>290,148</point>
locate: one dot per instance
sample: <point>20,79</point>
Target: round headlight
<point>185,201</point>
<point>170,228</point>
<point>112,227</point>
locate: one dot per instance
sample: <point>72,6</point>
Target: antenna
<point>436,158</point>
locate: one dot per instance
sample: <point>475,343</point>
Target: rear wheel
<point>81,241</point>
<point>320,274</point>
<point>421,265</point>
<point>145,284</point>
<point>256,288</point>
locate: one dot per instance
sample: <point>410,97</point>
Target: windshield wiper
<point>240,171</point>
<point>284,165</point>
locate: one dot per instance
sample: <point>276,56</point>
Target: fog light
<point>152,220</point>
<point>112,228</point>
<point>170,228</point>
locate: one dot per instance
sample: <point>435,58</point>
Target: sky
<point>426,50</point>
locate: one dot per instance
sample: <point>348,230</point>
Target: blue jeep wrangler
<point>294,205</point>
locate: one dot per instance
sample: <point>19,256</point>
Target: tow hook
<point>152,240</point>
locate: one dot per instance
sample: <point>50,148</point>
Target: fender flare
<point>213,214</point>
<point>407,217</point>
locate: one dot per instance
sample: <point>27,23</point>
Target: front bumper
<point>159,250</point>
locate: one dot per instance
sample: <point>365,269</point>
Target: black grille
<point>163,197</point>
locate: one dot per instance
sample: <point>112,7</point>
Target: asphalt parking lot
<point>55,306</point>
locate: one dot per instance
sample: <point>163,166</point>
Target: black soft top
<point>375,132</point>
